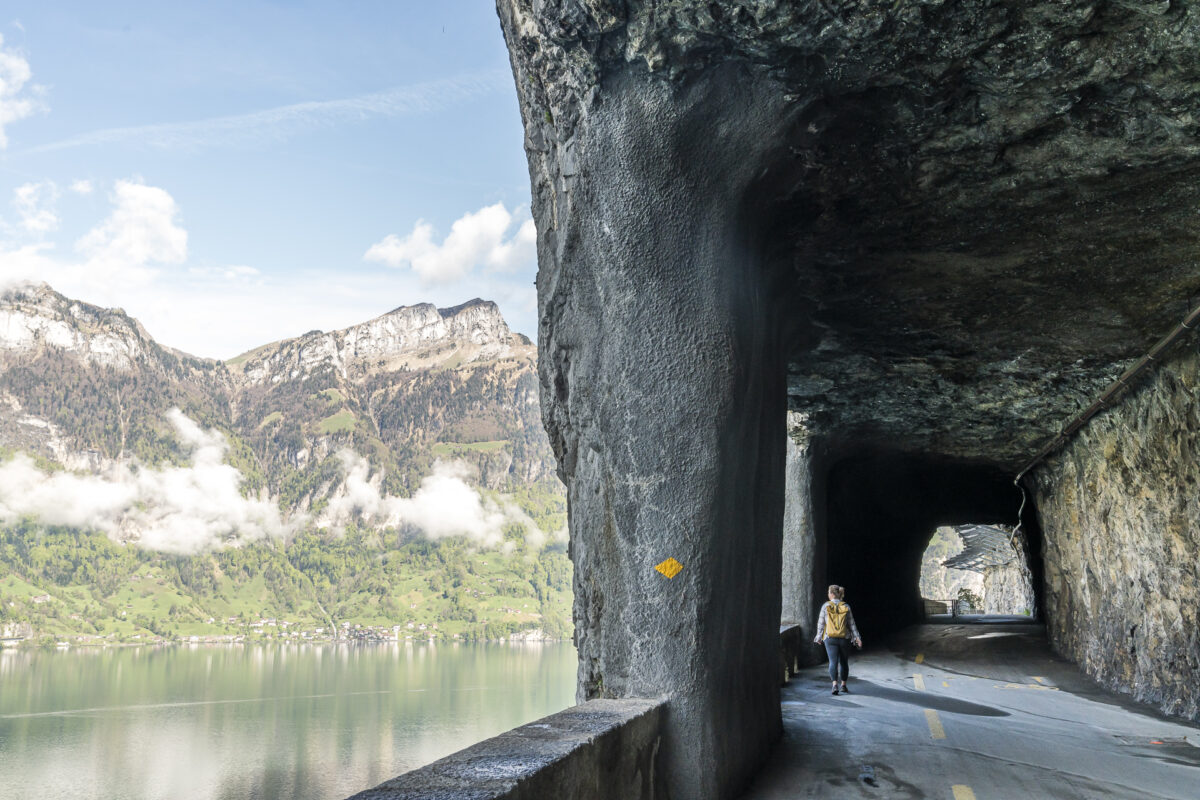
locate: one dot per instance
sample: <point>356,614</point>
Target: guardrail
<point>951,608</point>
<point>601,750</point>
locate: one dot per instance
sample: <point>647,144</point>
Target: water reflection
<point>309,722</point>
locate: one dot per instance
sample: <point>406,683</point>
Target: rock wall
<point>1120,512</point>
<point>1008,588</point>
<point>663,391</point>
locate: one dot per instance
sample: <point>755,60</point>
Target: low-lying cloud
<point>176,509</point>
<point>200,506</point>
<point>444,505</point>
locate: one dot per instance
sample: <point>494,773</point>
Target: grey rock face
<point>940,228</point>
<point>1008,589</point>
<point>1121,519</point>
<point>950,176</point>
<point>407,337</point>
<point>663,395</point>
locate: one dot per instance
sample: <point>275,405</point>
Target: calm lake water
<point>311,723</point>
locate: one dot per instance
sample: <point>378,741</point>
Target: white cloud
<point>34,203</point>
<point>476,239</point>
<point>238,274</point>
<point>16,102</point>
<point>132,258</point>
<point>273,125</point>
<point>82,186</point>
<point>141,230</point>
<point>173,509</point>
<point>444,505</point>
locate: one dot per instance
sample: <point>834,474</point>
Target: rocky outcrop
<point>1120,513</point>
<point>35,318</point>
<point>1008,588</point>
<point>410,337</point>
<point>948,173</point>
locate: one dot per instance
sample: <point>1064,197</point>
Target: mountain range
<point>415,436</point>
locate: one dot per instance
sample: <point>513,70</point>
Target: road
<point>973,712</point>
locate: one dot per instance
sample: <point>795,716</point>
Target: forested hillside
<point>391,474</point>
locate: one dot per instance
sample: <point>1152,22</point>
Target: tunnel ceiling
<point>991,207</point>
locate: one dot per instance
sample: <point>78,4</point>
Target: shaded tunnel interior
<point>879,509</point>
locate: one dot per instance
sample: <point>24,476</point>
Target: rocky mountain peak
<point>34,317</point>
<point>409,337</point>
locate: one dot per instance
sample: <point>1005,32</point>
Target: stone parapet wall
<point>1120,513</point>
<point>601,750</point>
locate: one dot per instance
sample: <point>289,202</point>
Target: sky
<point>235,173</point>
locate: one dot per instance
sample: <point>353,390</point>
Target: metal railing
<point>949,608</point>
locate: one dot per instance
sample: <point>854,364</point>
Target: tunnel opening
<point>976,570</point>
<point>946,590</point>
<point>879,511</point>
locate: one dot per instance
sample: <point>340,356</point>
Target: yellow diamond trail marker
<point>670,568</point>
<point>920,659</point>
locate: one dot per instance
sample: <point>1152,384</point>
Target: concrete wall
<point>1120,516</point>
<point>601,750</point>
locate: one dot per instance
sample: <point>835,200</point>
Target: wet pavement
<point>973,711</point>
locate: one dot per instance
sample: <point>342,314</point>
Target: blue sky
<point>236,173</point>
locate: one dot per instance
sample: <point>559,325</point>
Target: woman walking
<point>836,630</point>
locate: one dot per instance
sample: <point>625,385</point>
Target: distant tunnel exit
<point>881,509</point>
<point>976,569</point>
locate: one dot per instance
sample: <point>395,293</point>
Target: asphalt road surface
<point>973,712</point>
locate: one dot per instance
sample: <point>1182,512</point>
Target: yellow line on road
<point>920,658</point>
<point>935,724</point>
<point>963,792</point>
<point>1039,680</point>
<point>947,685</point>
<point>919,681</point>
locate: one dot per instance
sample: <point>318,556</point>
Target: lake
<point>315,722</point>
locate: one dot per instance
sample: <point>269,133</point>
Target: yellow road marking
<point>1025,686</point>
<point>920,658</point>
<point>1039,680</point>
<point>963,792</point>
<point>919,681</point>
<point>936,730</point>
<point>945,684</point>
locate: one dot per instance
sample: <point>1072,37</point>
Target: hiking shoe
<point>845,690</point>
<point>835,692</point>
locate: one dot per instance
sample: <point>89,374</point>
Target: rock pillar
<point>664,396</point>
<point>799,537</point>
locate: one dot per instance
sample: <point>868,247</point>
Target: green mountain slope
<point>87,395</point>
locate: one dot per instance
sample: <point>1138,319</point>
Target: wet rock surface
<point>1120,512</point>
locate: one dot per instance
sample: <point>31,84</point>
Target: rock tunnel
<point>817,276</point>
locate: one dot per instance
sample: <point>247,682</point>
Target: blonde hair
<point>837,591</point>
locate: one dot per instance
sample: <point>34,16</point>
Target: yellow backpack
<point>835,620</point>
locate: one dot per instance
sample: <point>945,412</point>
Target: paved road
<point>973,712</point>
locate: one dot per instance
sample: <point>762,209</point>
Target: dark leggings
<point>838,650</point>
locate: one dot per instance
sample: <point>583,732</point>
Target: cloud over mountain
<point>176,509</point>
